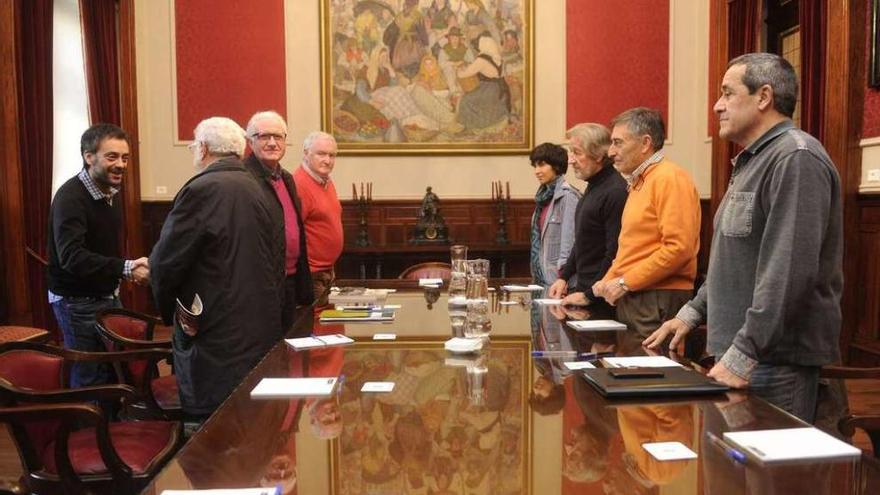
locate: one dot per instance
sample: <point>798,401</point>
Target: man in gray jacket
<point>772,295</point>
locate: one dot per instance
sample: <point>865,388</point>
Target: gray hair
<point>221,136</point>
<point>594,138</point>
<point>641,121</point>
<point>775,71</point>
<point>314,136</point>
<point>264,115</point>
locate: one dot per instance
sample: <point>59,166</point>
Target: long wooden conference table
<point>500,422</point>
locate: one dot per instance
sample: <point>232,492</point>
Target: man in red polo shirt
<point>321,210</point>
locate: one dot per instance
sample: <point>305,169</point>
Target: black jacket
<point>304,292</point>
<point>222,242</point>
<point>597,227</point>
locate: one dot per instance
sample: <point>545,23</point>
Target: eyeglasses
<point>193,145</point>
<point>265,137</point>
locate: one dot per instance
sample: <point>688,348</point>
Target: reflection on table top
<point>499,422</point>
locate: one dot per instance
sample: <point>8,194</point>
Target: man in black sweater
<point>85,262</point>
<point>597,221</point>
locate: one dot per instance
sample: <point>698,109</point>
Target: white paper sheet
<point>790,444</point>
<point>521,288</point>
<point>640,362</point>
<point>578,365</point>
<point>430,282</point>
<point>595,325</point>
<point>377,387</point>
<point>280,388</point>
<point>384,336</point>
<point>548,302</point>
<point>669,451</point>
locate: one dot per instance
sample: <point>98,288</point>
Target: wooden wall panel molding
<point>135,297</point>
<point>844,104</point>
<point>472,222</point>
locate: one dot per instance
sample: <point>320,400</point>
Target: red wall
<point>230,60</point>
<point>871,119</point>
<point>617,57</point>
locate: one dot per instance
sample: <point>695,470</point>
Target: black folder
<point>651,382</point>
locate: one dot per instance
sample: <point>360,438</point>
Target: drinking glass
<point>479,324</point>
<point>458,277</point>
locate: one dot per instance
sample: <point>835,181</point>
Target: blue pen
<point>737,455</point>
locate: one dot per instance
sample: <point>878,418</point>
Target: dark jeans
<point>76,317</point>
<point>792,388</point>
<point>289,312</point>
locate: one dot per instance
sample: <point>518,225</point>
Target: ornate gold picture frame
<point>428,76</point>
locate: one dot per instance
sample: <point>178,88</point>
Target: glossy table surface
<point>500,422</point>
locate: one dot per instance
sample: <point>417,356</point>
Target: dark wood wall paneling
<point>864,349</point>
<point>473,222</point>
<point>844,106</point>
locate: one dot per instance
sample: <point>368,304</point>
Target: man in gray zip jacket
<point>772,294</point>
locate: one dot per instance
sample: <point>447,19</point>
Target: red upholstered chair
<point>66,442</point>
<point>22,334</point>
<point>431,269</point>
<point>125,330</point>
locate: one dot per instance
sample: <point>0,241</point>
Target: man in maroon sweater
<point>267,134</point>
<point>321,210</point>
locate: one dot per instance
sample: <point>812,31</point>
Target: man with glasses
<point>653,273</point>
<point>85,262</point>
<point>321,209</point>
<point>597,221</point>
<point>267,134</point>
<point>221,246</point>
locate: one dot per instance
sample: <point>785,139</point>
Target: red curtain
<point>33,35</point>
<point>812,20</point>
<point>742,26</point>
<point>743,32</point>
<point>99,27</point>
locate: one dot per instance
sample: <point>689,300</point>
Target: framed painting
<point>428,76</point>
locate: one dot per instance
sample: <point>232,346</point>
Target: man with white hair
<point>219,256</point>
<point>321,210</point>
<point>267,134</point>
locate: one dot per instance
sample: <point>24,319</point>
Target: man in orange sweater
<point>321,210</point>
<point>653,273</point>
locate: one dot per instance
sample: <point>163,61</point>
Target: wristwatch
<point>622,284</point>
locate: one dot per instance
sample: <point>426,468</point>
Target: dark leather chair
<point>125,330</point>
<point>66,441</point>
<point>431,269</point>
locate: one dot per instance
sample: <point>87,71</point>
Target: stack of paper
<point>318,341</point>
<point>791,444</point>
<point>639,362</point>
<point>354,296</point>
<point>430,282</point>
<point>281,388</point>
<point>521,288</point>
<point>595,325</point>
<point>356,316</point>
